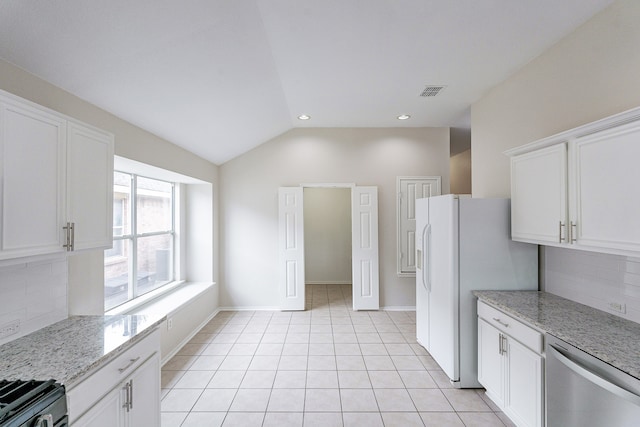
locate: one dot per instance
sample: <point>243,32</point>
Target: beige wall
<point>460,161</point>
<point>249,185</point>
<point>591,74</point>
<point>460,169</point>
<point>86,274</point>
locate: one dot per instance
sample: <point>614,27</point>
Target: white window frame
<point>132,299</point>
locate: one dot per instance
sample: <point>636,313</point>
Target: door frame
<point>374,305</point>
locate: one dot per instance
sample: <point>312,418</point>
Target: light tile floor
<point>327,366</point>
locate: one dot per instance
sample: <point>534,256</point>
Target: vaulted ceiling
<point>219,77</point>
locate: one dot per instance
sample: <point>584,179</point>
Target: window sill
<point>169,299</point>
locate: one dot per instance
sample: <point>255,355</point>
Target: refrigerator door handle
<point>426,263</point>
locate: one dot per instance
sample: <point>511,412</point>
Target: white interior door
<point>364,229</point>
<point>410,188</point>
<point>291,248</point>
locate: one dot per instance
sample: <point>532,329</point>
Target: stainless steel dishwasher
<point>584,391</point>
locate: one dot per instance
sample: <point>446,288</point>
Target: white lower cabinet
<point>490,362</point>
<point>107,412</point>
<point>523,400</point>
<point>124,393</point>
<point>510,366</point>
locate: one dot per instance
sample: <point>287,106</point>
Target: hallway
<point>327,366</point>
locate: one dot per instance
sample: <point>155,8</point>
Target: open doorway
<point>327,247</point>
<point>364,246</point>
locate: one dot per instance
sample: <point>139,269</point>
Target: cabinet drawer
<point>85,394</point>
<point>512,327</point>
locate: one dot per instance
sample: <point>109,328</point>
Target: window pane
<point>155,262</point>
<point>121,204</point>
<point>116,274</point>
<point>154,201</point>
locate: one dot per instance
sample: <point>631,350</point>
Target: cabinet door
<point>523,402</point>
<point>606,176</point>
<point>108,412</point>
<point>32,171</point>
<point>490,362</point>
<point>90,186</point>
<point>145,394</point>
<point>539,195</point>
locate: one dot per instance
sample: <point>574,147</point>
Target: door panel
<point>291,248</point>
<point>539,195</point>
<point>90,187</point>
<point>422,293</point>
<point>490,361</point>
<point>32,170</point>
<point>364,216</point>
<point>409,189</point>
<point>606,178</point>
<point>443,296</point>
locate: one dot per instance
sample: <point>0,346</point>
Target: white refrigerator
<point>463,244</point>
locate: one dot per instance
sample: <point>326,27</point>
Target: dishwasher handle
<point>594,378</point>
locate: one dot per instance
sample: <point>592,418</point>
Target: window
<point>142,256</point>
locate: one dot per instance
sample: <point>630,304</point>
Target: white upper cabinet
<point>56,182</point>
<point>577,189</point>
<point>90,186</point>
<point>606,199</point>
<point>32,172</point>
<point>539,195</point>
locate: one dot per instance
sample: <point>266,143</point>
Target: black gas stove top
<point>32,404</point>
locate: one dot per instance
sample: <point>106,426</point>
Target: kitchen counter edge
<point>72,349</point>
<point>610,338</point>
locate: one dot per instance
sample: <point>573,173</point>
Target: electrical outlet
<point>10,328</point>
<point>618,307</point>
<point>169,323</point>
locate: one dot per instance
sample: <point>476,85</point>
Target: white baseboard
<point>398,308</point>
<point>168,357</point>
<point>328,282</point>
<point>386,308</point>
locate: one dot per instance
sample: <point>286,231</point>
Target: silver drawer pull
<point>131,362</point>
<point>506,325</point>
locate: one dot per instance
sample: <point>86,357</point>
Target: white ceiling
<point>219,77</point>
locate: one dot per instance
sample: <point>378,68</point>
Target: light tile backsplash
<point>595,279</point>
<point>33,292</point>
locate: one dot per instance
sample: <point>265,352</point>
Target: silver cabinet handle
<point>506,325</point>
<point>70,236</point>
<point>560,238</point>
<point>131,396</point>
<point>67,238</point>
<point>573,232</point>
<point>500,344</point>
<point>504,344</point>
<point>131,362</point>
<point>125,405</point>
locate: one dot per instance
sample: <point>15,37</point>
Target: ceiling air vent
<point>432,90</point>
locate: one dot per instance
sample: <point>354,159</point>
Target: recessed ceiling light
<point>303,117</point>
<point>404,117</point>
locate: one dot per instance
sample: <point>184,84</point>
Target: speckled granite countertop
<point>610,338</point>
<point>68,350</point>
